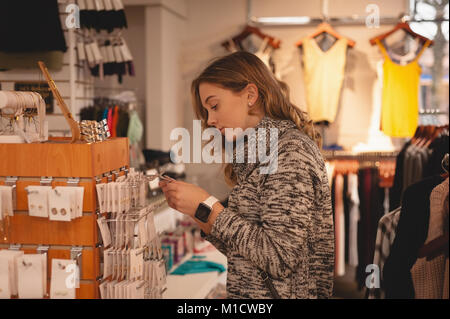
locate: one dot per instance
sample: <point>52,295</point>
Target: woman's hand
<point>183,197</point>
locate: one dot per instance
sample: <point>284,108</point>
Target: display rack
<point>59,163</point>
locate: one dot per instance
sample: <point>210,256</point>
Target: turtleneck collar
<point>264,135</point>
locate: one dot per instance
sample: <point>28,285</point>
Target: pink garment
<point>109,119</point>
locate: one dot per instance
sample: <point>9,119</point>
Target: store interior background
<point>173,40</point>
<point>181,37</point>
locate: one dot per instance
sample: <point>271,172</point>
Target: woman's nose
<point>211,121</point>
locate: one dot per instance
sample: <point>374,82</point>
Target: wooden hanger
<point>400,26</point>
<point>248,30</point>
<point>325,27</point>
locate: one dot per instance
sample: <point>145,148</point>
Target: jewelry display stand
<point>59,162</point>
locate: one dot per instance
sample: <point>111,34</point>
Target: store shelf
<point>195,286</point>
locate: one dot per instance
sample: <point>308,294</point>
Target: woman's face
<point>227,109</point>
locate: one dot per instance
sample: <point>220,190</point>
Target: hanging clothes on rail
<point>339,226</point>
<point>371,209</point>
<point>417,160</point>
<point>400,99</point>
<point>430,273</point>
<point>385,237</point>
<point>410,235</point>
<point>324,75</point>
<point>354,216</point>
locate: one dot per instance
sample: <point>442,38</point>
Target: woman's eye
<point>214,107</point>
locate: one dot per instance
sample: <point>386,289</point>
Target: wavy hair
<point>234,72</point>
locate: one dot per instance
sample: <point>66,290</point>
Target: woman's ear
<point>252,94</point>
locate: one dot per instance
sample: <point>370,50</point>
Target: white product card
<point>32,276</point>
<point>96,50</point>
<point>38,200</point>
<point>110,54</point>
<point>103,290</point>
<point>111,289</point>
<point>12,256</point>
<point>151,229</point>
<point>116,260</point>
<point>115,197</point>
<point>118,54</point>
<point>81,51</point>
<point>89,53</point>
<point>104,231</point>
<point>125,260</point>
<point>5,274</point>
<point>77,200</point>
<point>101,196</point>
<point>142,232</point>
<point>109,199</point>
<point>125,51</point>
<point>7,200</point>
<point>107,263</point>
<point>140,290</point>
<point>133,264</point>
<point>120,202</point>
<point>61,202</point>
<point>63,280</point>
<point>161,273</point>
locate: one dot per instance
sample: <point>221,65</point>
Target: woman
<point>277,225</point>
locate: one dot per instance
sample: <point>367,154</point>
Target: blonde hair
<point>234,72</point>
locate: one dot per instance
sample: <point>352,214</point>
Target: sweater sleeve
<point>280,241</point>
<point>220,246</point>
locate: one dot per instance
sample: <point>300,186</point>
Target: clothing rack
<point>358,156</point>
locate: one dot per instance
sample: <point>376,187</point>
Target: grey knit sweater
<point>280,222</point>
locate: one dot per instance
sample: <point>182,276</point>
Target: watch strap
<point>210,201</point>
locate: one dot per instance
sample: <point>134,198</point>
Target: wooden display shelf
<point>61,160</point>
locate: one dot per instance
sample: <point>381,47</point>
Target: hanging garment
<point>353,220</point>
<point>385,237</point>
<point>135,128</point>
<point>339,227</point>
<point>371,209</point>
<point>430,272</point>
<point>324,75</point>
<point>264,52</point>
<point>400,100</point>
<point>115,119</point>
<point>410,235</point>
<point>28,26</point>
<point>396,190</point>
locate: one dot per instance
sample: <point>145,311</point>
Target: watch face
<point>202,212</point>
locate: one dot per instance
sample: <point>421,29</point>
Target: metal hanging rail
<point>314,21</point>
